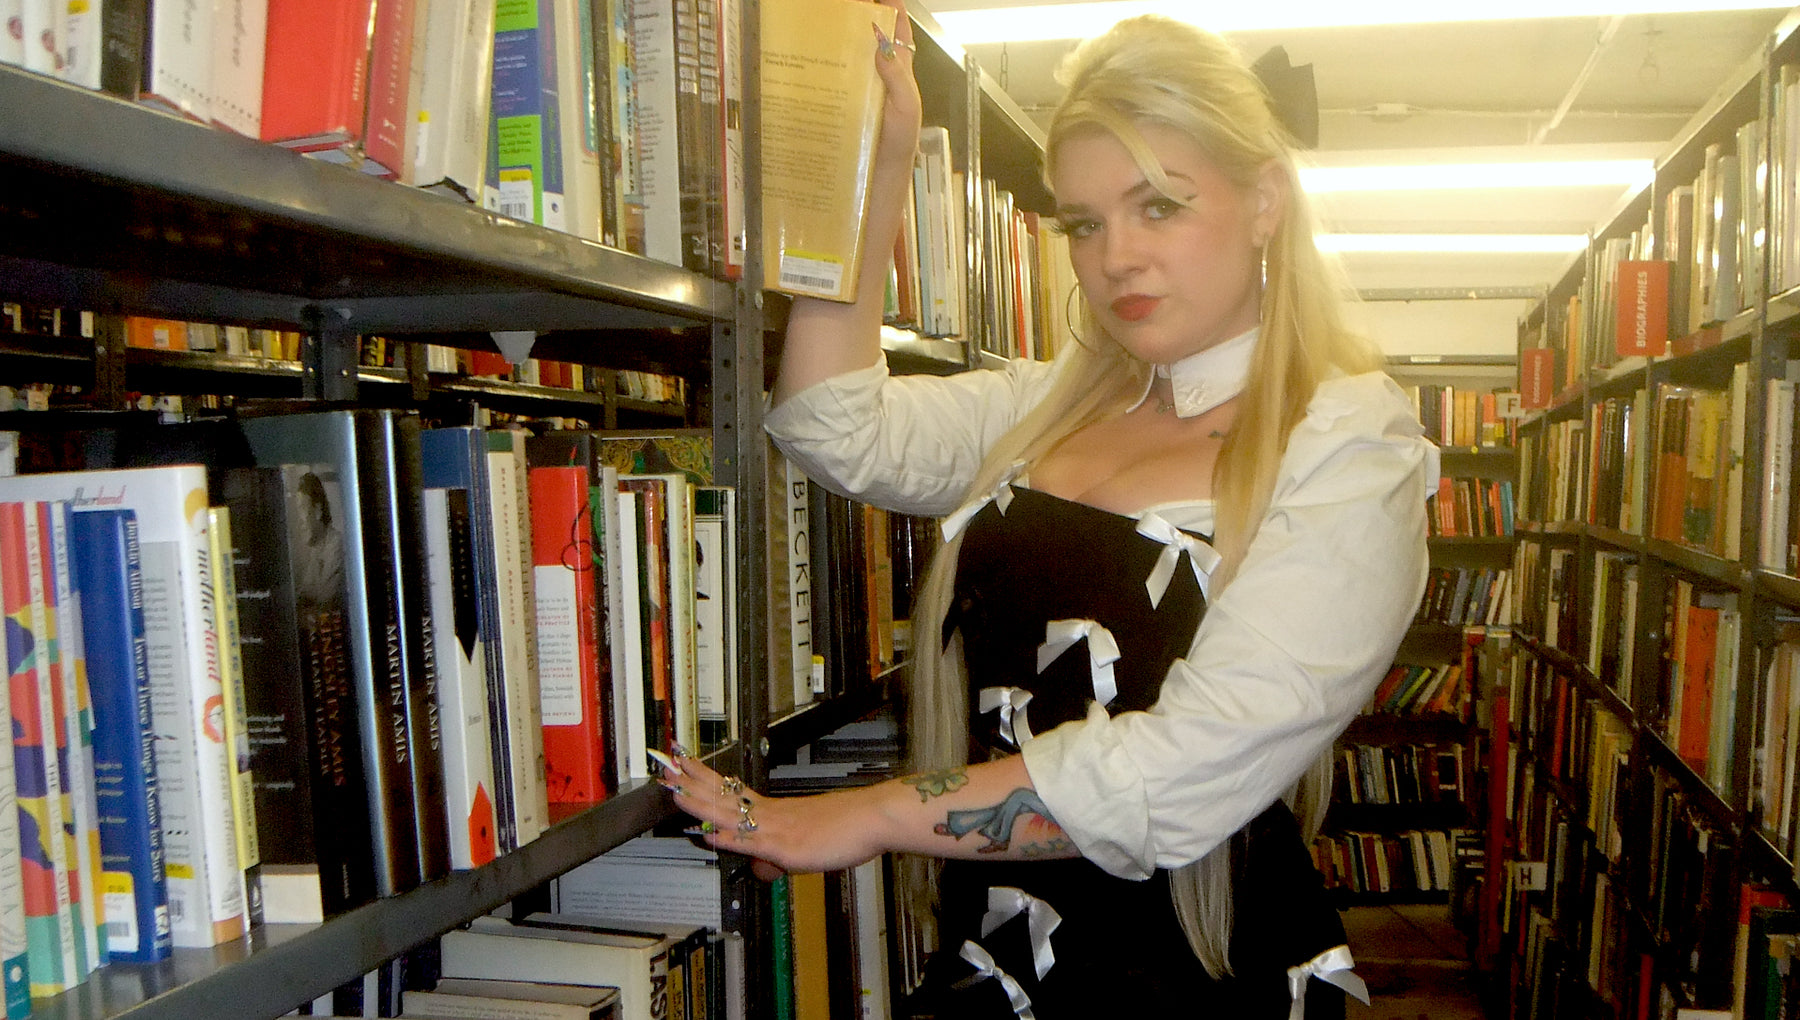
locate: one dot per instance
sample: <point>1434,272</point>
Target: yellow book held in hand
<point>821,114</point>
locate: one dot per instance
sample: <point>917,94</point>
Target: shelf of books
<point>1407,809</point>
<point>1649,809</point>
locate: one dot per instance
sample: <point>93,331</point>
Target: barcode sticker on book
<point>515,193</point>
<point>121,913</point>
<point>811,274</point>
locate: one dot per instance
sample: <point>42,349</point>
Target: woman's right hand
<point>901,115</point>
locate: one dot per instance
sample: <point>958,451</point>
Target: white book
<point>240,30</point>
<point>12,47</point>
<point>800,573</point>
<point>648,880</point>
<point>78,723</point>
<point>658,148</point>
<point>206,887</point>
<point>869,885</point>
<point>38,25</point>
<point>715,610</point>
<point>512,549</point>
<point>455,65</point>
<point>478,999</point>
<point>630,647</point>
<point>179,57</point>
<point>237,736</point>
<point>460,653</point>
<point>731,61</point>
<point>580,136</point>
<point>495,949</point>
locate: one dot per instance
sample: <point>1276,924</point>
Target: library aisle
<point>1415,961</point>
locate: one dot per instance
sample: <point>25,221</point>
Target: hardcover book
<point>567,618</point>
<point>821,114</point>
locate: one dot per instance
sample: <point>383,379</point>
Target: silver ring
<point>730,786</point>
<point>745,822</point>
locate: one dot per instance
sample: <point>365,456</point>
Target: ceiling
<point>1543,89</point>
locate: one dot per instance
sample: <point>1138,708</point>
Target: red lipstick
<point>1133,307</point>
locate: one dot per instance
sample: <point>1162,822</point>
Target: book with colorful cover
<point>206,887</point>
<point>77,708</point>
<point>37,759</point>
<point>134,881</point>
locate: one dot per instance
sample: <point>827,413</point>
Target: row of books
<point>1462,417</point>
<point>1467,596</point>
<point>398,580</point>
<point>1412,861</point>
<point>1774,793</point>
<point>1411,689</point>
<point>1413,773</point>
<point>1698,693</point>
<point>1466,507</point>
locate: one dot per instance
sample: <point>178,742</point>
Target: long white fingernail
<point>665,761</point>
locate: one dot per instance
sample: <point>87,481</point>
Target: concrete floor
<point>1415,962</point>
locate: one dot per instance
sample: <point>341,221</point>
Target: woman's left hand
<point>825,832</point>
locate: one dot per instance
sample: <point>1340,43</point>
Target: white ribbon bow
<point>1001,496</point>
<point>1103,651</point>
<point>984,969</point>
<point>1005,903</point>
<point>1332,967</point>
<point>1202,557</point>
<point>1015,729</point>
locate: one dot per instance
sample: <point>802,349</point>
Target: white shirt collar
<point>1203,381</point>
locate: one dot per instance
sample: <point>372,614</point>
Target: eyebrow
<point>1135,192</point>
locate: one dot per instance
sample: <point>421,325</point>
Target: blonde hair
<point>1154,70</point>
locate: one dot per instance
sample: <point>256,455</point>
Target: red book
<point>390,78</point>
<point>568,635</point>
<point>1697,685</point>
<point>1537,382</point>
<point>1642,321</point>
<point>316,73</point>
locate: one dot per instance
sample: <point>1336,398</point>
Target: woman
<point>1179,560</point>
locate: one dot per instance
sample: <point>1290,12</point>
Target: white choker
<point>1203,381</point>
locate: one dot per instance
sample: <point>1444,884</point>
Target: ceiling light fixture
<point>1081,20</point>
<point>1600,173</point>
<point>1484,244</point>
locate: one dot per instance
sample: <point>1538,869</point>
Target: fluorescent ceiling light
<point>1625,173</point>
<point>1487,244</point>
<point>1080,20</point>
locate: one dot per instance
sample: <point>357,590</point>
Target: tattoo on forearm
<point>936,784</point>
<point>997,823</point>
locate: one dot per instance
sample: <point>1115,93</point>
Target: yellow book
<point>821,110</point>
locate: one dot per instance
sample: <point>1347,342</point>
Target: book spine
<point>315,72</point>
<point>634,670</point>
<point>511,554</point>
<point>715,608</point>
<point>579,140</point>
<point>134,882</point>
<point>655,97</point>
<point>77,709</point>
<point>43,793</point>
<point>567,623</point>
<point>390,87</point>
<point>240,34</point>
<point>525,172</point>
<point>179,58</point>
<point>237,739</point>
<point>336,769</point>
<point>462,681</point>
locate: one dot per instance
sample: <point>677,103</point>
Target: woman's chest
<point>1136,460</point>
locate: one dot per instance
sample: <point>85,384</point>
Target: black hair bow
<point>1292,94</point>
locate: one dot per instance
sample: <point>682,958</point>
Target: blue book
<point>108,575</point>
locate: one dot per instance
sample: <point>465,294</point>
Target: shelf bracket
<point>328,356</point>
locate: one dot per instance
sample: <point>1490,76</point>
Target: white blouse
<point>1286,655</point>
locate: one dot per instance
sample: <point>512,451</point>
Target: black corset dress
<point>1039,569</point>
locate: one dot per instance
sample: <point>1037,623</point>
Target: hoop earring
<point>1263,254</point>
<point>1071,314</point>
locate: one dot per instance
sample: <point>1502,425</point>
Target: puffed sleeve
<point>908,443</point>
<point>1286,655</point>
